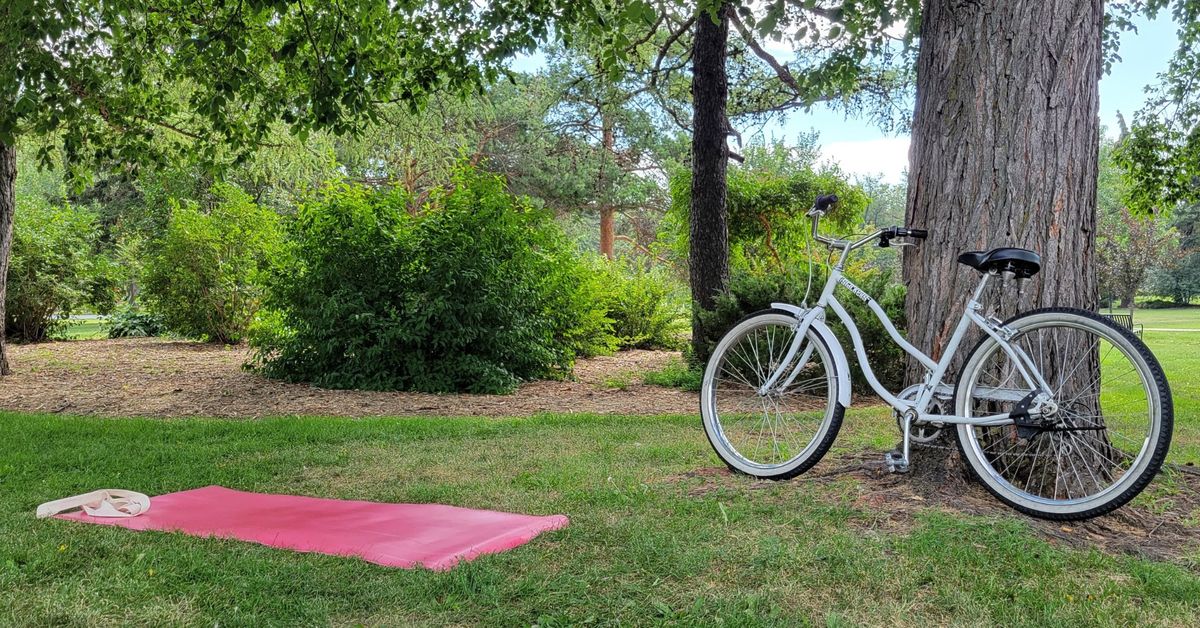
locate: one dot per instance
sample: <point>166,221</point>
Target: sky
<point>863,150</point>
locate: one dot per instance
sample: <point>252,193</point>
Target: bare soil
<point>164,378</point>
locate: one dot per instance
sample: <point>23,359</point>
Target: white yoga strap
<point>102,503</point>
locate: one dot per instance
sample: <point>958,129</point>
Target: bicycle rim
<point>1106,438</point>
<point>781,432</point>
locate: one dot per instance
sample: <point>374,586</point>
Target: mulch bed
<point>164,378</point>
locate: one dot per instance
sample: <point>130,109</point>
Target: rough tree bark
<point>8,179</point>
<point>708,247</point>
<point>607,231</point>
<point>607,214</point>
<point>1004,152</point>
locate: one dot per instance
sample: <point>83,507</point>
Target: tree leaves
<point>109,75</point>
<point>1160,152</point>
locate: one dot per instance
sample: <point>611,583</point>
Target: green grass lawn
<point>1170,318</point>
<point>85,329</point>
<point>644,545</point>
<point>1179,354</point>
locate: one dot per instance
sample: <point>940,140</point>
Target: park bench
<point>1126,321</point>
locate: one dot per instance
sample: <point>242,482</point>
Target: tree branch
<point>781,70</point>
<point>662,51</point>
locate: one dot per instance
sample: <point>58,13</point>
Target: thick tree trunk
<point>8,179</point>
<point>1004,153</point>
<point>708,252</point>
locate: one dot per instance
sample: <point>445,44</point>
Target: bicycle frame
<point>935,371</point>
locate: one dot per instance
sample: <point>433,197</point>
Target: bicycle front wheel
<point>1106,426</point>
<point>777,433</point>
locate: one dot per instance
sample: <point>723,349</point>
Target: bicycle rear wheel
<point>1106,429</point>
<point>779,433</point>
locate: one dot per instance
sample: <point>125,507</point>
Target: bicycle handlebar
<point>823,203</point>
<point>886,235</point>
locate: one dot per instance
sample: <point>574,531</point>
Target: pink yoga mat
<point>396,535</point>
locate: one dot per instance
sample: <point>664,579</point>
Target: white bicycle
<point>1059,412</point>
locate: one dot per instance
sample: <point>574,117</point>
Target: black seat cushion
<point>1023,262</point>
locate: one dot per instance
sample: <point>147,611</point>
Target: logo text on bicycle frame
<point>866,298</point>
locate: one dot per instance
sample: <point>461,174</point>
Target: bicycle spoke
<point>1093,433</point>
<point>777,426</point>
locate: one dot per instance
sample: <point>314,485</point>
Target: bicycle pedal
<point>895,462</point>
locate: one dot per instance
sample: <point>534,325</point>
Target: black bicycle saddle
<point>1023,262</point>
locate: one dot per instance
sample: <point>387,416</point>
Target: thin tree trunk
<point>8,179</point>
<point>1127,302</point>
<point>1004,153</point>
<point>607,214</point>
<point>708,252</point>
<point>607,232</point>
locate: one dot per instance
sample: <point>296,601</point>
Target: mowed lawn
<point>645,545</point>
<point>1168,318</point>
<point>85,329</point>
<point>657,536</point>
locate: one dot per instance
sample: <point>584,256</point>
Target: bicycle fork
<point>801,332</point>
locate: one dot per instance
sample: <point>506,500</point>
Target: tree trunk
<point>607,214</point>
<point>708,247</point>
<point>8,202</point>
<point>1004,152</point>
<point>1127,302</point>
<point>606,231</point>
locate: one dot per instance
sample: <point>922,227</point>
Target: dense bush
<point>476,293</point>
<point>130,322</point>
<point>648,310</point>
<point>768,198</point>
<point>205,273</point>
<point>751,292</point>
<point>50,269</point>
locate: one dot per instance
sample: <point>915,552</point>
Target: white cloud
<point>886,156</point>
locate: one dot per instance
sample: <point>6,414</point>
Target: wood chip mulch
<point>165,378</point>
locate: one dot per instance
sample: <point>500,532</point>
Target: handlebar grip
<point>918,233</point>
<point>825,202</point>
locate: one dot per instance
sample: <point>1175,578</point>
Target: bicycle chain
<point>953,448</point>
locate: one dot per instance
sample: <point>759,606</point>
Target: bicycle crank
<point>921,432</point>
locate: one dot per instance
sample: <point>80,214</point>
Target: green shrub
<point>50,267</point>
<point>648,310</point>
<point>205,274</point>
<point>751,292</point>
<point>475,294</point>
<point>1159,304</point>
<point>130,322</point>
<point>768,198</point>
<point>676,374</point>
